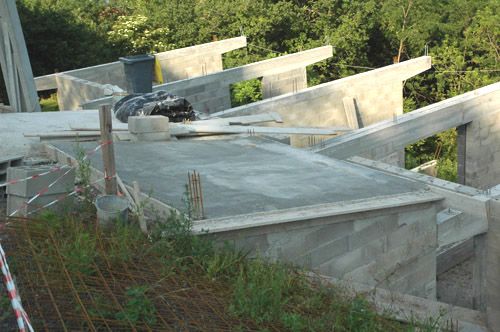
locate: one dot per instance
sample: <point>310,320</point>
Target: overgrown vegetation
<point>49,104</point>
<point>272,296</point>
<point>461,36</point>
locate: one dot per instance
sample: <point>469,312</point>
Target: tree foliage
<point>461,36</point>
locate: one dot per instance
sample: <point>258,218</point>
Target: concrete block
<point>410,217</point>
<point>413,233</point>
<point>150,137</point>
<point>415,276</point>
<point>328,251</point>
<point>339,266</point>
<point>17,203</point>
<point>362,274</point>
<point>374,228</point>
<point>254,244</point>
<point>328,233</point>
<point>396,258</point>
<point>286,244</point>
<point>148,124</point>
<point>31,187</point>
<point>292,81</point>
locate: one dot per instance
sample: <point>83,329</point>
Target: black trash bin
<point>139,72</point>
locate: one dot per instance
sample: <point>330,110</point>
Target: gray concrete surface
<point>14,125</point>
<point>245,175</point>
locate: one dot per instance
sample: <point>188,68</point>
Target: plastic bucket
<point>139,72</point>
<point>111,208</point>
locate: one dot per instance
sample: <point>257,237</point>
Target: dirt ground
<point>455,285</point>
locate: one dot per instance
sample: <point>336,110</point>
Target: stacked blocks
<point>19,193</point>
<point>4,164</point>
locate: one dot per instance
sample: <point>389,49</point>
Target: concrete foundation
<point>392,247</point>
<point>245,175</point>
<point>335,217</point>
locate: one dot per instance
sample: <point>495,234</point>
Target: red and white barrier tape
<point>15,300</point>
<point>46,189</point>
<point>55,168</point>
<point>40,193</point>
<point>21,316</point>
<point>63,197</point>
<point>52,170</point>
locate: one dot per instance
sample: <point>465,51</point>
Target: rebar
<point>57,296</point>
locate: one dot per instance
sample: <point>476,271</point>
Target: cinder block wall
<point>391,248</point>
<point>179,68</point>
<point>212,97</point>
<point>72,92</point>
<point>479,159</point>
<point>112,73</point>
<point>378,96</point>
<point>493,267</point>
<point>279,84</point>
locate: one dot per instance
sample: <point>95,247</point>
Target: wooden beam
<point>178,129</point>
<point>108,151</point>
<point>350,112</point>
<point>242,120</point>
<point>22,77</point>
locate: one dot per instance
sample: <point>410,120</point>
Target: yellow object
<point>158,73</point>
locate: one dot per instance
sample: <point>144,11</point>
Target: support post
<point>136,194</point>
<point>479,273</point>
<point>492,285</point>
<point>14,61</point>
<point>108,151</point>
<point>461,153</point>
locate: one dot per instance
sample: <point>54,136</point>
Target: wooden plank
<point>64,134</point>
<point>350,112</point>
<point>242,120</point>
<point>108,151</point>
<point>140,208</point>
<point>20,61</point>
<point>94,129</point>
<point>479,291</point>
<point>177,128</point>
<point>455,254</point>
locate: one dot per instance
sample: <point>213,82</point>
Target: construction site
<point>311,176</point>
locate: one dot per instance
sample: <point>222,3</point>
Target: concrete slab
<point>14,125</point>
<point>245,175</point>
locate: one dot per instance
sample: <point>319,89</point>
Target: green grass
<point>49,104</point>
<point>268,294</point>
